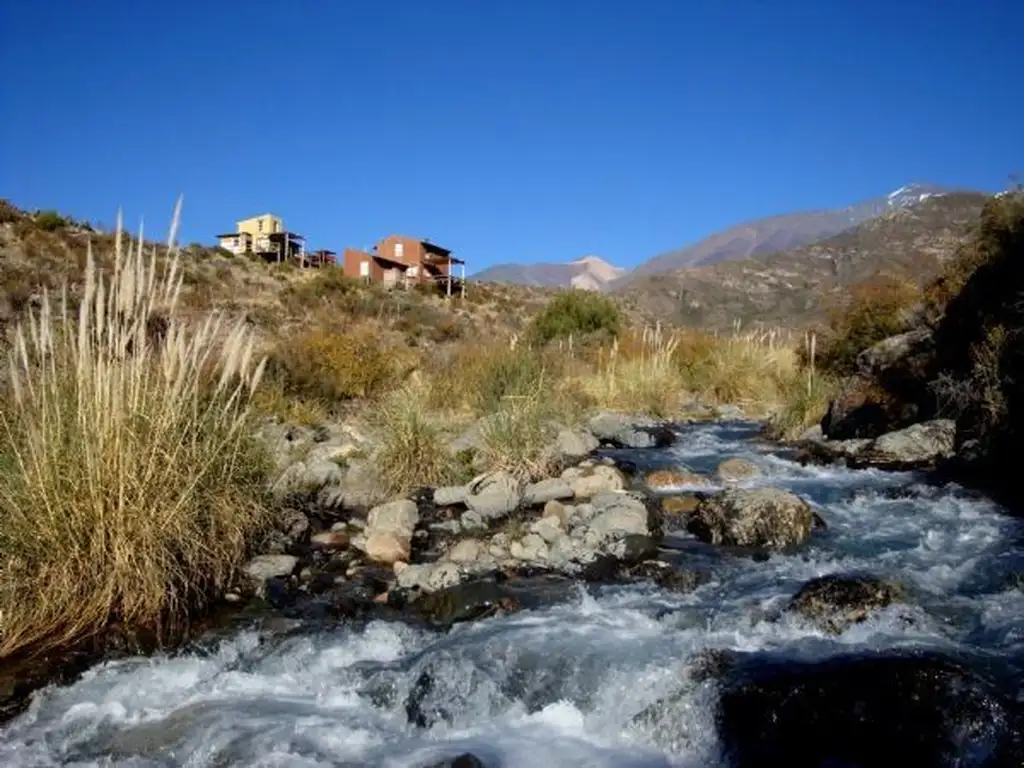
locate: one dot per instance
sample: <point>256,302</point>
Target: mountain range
<point>589,272</point>
<point>797,287</point>
<point>758,237</point>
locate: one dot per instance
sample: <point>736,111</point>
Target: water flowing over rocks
<point>607,615</point>
<point>835,602</point>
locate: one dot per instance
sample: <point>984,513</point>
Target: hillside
<point>35,253</point>
<point>589,272</point>
<point>782,232</point>
<point>797,287</point>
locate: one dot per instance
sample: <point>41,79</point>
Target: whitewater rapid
<point>566,685</point>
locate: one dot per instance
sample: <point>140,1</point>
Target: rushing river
<point>561,685</point>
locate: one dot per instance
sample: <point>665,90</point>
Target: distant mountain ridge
<point>782,232</point>
<point>589,273</point>
<point>797,287</point>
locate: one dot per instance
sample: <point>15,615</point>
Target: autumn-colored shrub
<point>331,365</point>
<point>877,309</point>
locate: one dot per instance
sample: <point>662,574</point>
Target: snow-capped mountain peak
<point>912,194</point>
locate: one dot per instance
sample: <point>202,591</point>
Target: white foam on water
<point>602,679</point>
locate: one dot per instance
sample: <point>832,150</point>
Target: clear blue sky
<point>536,130</point>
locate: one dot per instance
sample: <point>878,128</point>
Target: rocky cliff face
<point>963,363</point>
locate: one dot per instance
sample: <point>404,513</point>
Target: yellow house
<point>264,235</point>
<point>252,234</point>
<point>260,226</point>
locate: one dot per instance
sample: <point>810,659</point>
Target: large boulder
<point>264,568</point>
<point>543,491</point>
<point>766,518</point>
<point>398,516</point>
<point>914,447</point>
<point>888,391</point>
<point>736,469</point>
<point>622,431</point>
<point>573,445</point>
<point>493,495</point>
<point>891,709</point>
<point>617,515</point>
<point>835,602</point>
<point>592,481</point>
<point>389,529</point>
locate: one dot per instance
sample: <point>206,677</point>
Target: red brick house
<point>401,260</point>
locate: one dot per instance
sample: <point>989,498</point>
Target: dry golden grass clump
<point>129,483</point>
<point>413,452</point>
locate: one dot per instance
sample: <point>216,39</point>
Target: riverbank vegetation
<point>132,489</point>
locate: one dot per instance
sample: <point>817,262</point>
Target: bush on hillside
<point>328,366</point>
<point>131,486</point>
<point>878,308</point>
<point>979,366</point>
<point>50,221</point>
<point>575,313</point>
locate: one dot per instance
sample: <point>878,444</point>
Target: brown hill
<point>40,250</point>
<point>797,287</point>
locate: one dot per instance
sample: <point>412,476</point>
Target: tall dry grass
<point>129,483</point>
<point>413,452</point>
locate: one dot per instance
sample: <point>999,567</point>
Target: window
<point>414,271</point>
<point>259,225</point>
<point>364,268</point>
<point>400,251</point>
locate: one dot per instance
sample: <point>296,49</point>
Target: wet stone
<point>836,601</point>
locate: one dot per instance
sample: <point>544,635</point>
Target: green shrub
<point>50,221</point>
<point>575,313</point>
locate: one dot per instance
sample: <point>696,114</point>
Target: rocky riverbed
<point>674,595</point>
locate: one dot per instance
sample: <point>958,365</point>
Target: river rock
<point>466,551</point>
<point>660,479</point>
<point>732,470</point>
<point>679,506</point>
<point>463,760</point>
<point>558,511</point>
<point>397,516</point>
<point>865,710</point>
<point>835,602</point>
<point>531,548</point>
<point>548,528</point>
<point>763,517</point>
<point>329,540</point>
<point>593,481</point>
<point>575,444</point>
<point>541,492</point>
<point>263,568</point>
<point>622,431</point>
<point>427,577</point>
<point>494,495</point>
<point>617,515</point>
<point>308,475</point>
<point>387,547</point>
<point>358,489</point>
<point>917,446</point>
<point>449,496</point>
